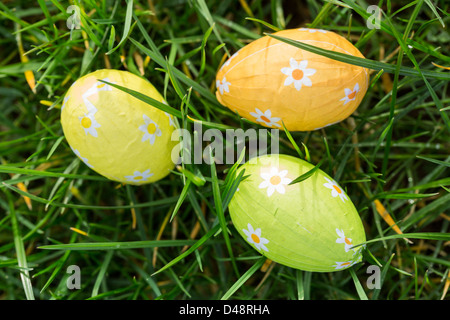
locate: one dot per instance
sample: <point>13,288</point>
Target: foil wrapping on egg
<point>116,134</point>
<point>311,225</point>
<point>270,82</point>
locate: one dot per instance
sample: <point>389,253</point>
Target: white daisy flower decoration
<point>298,74</point>
<point>89,124</point>
<point>274,181</point>
<point>223,85</point>
<point>343,265</point>
<point>64,102</point>
<point>98,86</point>
<point>335,189</point>
<point>95,88</point>
<point>227,63</point>
<point>85,160</point>
<point>350,94</point>
<point>254,237</point>
<point>313,30</point>
<point>171,122</point>
<point>151,130</point>
<point>266,118</point>
<point>139,176</point>
<point>343,239</point>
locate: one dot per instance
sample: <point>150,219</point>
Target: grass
<point>174,239</point>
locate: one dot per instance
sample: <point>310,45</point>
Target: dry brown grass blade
<point>387,217</point>
<point>158,237</point>
<point>446,286</point>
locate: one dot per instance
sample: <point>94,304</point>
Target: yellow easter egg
<point>116,134</point>
<point>269,82</point>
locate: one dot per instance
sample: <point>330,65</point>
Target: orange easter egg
<point>270,82</point>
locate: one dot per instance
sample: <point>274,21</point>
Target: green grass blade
<point>220,211</point>
<point>144,98</point>
<point>307,174</point>
<point>126,26</point>
<point>421,235</point>
<point>240,282</point>
<point>114,245</point>
<point>441,163</point>
<point>195,246</point>
<point>362,62</point>
<point>20,250</point>
<point>359,288</point>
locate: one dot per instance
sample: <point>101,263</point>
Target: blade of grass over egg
<point>153,102</point>
<point>362,62</point>
<point>307,174</point>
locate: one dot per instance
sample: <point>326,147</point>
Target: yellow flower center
<point>86,122</point>
<point>151,128</point>
<point>101,85</point>
<point>255,238</point>
<point>345,264</point>
<point>275,180</point>
<point>297,74</point>
<point>265,119</point>
<point>138,178</point>
<point>347,241</point>
<point>337,189</point>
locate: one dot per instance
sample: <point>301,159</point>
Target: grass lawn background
<point>391,155</point>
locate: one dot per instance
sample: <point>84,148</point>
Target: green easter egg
<point>311,225</point>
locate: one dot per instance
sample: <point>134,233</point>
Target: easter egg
<point>311,225</point>
<point>270,82</point>
<point>115,134</point>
